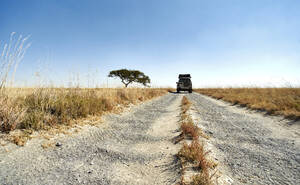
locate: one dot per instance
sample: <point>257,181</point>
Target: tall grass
<point>43,108</point>
<point>10,57</point>
<point>275,101</point>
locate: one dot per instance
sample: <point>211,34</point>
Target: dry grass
<point>275,101</point>
<point>187,126</point>
<point>201,179</point>
<point>185,105</point>
<point>48,144</point>
<point>44,108</point>
<point>189,129</point>
<point>193,153</point>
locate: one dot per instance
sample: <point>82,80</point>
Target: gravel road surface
<point>133,148</point>
<point>257,149</point>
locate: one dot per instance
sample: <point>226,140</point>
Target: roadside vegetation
<point>275,101</point>
<point>194,153</point>
<point>43,108</point>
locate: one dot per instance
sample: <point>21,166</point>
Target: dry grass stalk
<point>275,101</point>
<point>10,57</point>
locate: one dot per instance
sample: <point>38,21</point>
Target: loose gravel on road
<point>131,148</point>
<point>257,149</point>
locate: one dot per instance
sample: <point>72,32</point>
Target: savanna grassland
<point>275,101</point>
<point>45,108</point>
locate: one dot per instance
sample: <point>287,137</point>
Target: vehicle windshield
<point>184,80</point>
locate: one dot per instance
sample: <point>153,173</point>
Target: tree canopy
<point>129,76</point>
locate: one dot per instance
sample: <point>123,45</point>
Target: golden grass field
<point>275,101</point>
<point>43,108</point>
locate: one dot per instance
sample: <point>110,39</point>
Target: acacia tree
<point>129,76</point>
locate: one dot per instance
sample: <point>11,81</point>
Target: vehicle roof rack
<point>184,76</point>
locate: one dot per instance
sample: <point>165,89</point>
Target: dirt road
<point>137,148</point>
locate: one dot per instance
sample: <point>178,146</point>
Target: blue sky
<point>220,42</point>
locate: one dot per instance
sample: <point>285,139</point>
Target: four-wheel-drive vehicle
<point>184,83</point>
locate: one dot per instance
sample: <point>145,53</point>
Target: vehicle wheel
<point>178,91</point>
<point>190,91</point>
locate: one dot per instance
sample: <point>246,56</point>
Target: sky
<point>221,43</point>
